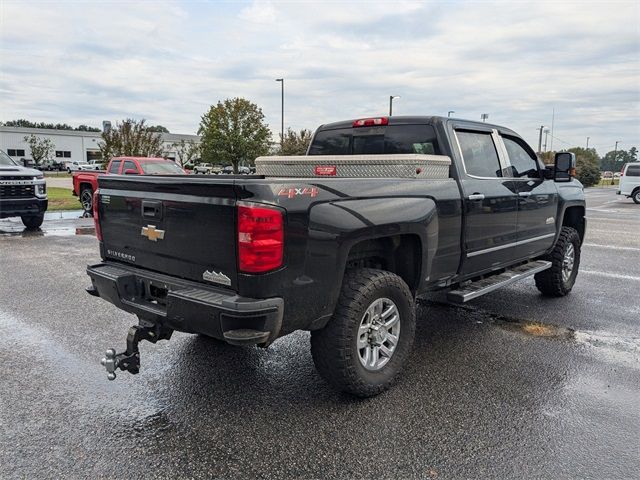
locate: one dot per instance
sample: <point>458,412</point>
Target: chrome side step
<point>489,284</point>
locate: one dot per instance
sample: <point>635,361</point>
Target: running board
<point>489,284</point>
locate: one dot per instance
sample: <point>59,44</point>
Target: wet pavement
<point>512,385</point>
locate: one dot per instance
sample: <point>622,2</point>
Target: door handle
<point>524,194</point>
<point>476,196</point>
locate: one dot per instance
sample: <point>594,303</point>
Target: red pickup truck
<point>86,182</point>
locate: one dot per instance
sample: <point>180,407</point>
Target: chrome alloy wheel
<point>567,262</point>
<point>86,199</point>
<point>378,334</point>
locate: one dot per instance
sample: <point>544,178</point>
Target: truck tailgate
<point>176,225</point>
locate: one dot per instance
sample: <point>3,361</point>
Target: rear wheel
<point>558,280</point>
<point>33,221</point>
<point>86,199</point>
<point>636,195</point>
<point>368,340</point>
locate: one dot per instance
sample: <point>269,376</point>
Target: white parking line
<point>611,275</point>
<point>612,247</point>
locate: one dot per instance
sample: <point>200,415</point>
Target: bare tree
<point>131,138</point>
<point>41,148</point>
<point>186,151</point>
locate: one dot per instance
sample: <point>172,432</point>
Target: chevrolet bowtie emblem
<point>151,233</point>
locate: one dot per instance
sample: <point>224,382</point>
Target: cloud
<point>169,61</point>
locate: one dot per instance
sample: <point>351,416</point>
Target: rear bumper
<point>16,207</point>
<point>188,306</point>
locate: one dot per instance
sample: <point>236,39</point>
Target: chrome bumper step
<point>489,284</point>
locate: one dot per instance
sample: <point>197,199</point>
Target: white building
<point>71,145</point>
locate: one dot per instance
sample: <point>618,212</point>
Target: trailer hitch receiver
<point>129,360</point>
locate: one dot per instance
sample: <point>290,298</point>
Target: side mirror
<point>131,171</point>
<point>564,166</point>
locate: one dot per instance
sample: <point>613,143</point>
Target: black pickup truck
<point>339,242</point>
<point>23,192</point>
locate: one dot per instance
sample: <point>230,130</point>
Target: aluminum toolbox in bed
<point>356,166</point>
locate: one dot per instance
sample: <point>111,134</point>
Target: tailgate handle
<point>151,209</point>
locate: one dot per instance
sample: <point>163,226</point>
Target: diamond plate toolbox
<point>434,167</point>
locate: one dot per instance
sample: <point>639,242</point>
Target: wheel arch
<point>574,216</point>
<point>399,235</point>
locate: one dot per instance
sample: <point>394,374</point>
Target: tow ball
<point>129,360</point>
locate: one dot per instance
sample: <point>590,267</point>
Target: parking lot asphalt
<point>513,385</point>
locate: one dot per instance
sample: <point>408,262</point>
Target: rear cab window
<point>479,154</point>
<point>389,139</point>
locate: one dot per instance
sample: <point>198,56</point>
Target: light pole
<point>391,97</point>
<point>450,112</point>
<point>587,143</point>
<point>484,117</point>
<point>281,80</point>
<point>615,159</point>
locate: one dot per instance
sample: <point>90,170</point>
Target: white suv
<point>630,181</point>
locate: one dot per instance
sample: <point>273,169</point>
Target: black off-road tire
<point>635,196</point>
<point>551,282</point>
<point>334,348</point>
<point>86,200</point>
<point>32,222</point>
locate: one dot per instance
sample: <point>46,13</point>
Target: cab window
<point>523,163</point>
<point>479,154</point>
<point>128,165</point>
<point>115,166</point>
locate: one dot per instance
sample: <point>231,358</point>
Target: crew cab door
<point>490,202</point>
<point>537,199</point>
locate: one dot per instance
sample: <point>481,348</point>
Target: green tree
<point>587,169</point>
<point>41,148</point>
<point>232,132</point>
<point>186,151</point>
<point>50,126</point>
<point>158,129</point>
<point>86,128</point>
<point>295,143</point>
<point>131,138</point>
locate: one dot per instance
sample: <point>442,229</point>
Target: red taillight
<point>96,218</point>
<point>326,170</point>
<point>260,238</point>
<point>370,122</point>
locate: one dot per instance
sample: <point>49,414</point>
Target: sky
<point>81,62</point>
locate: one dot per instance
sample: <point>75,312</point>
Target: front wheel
<point>558,280</point>
<point>86,199</point>
<point>368,340</point>
<point>33,221</point>
<point>636,196</point>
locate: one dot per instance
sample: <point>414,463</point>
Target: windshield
<point>376,140</point>
<point>161,168</point>
<point>5,160</point>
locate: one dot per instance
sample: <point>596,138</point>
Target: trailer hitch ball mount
<point>129,360</point>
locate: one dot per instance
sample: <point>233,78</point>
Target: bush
<point>587,172</point>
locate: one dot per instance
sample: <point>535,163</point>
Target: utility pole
<point>391,97</point>
<point>540,139</point>
<point>553,120</point>
<point>615,160</point>
<point>281,80</point>
<point>450,112</point>
<point>588,143</point>
<point>546,134</point>
<point>484,117</point>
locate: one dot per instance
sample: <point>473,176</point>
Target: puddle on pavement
<point>612,347</point>
<point>59,224</point>
<point>535,329</point>
<point>46,232</point>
